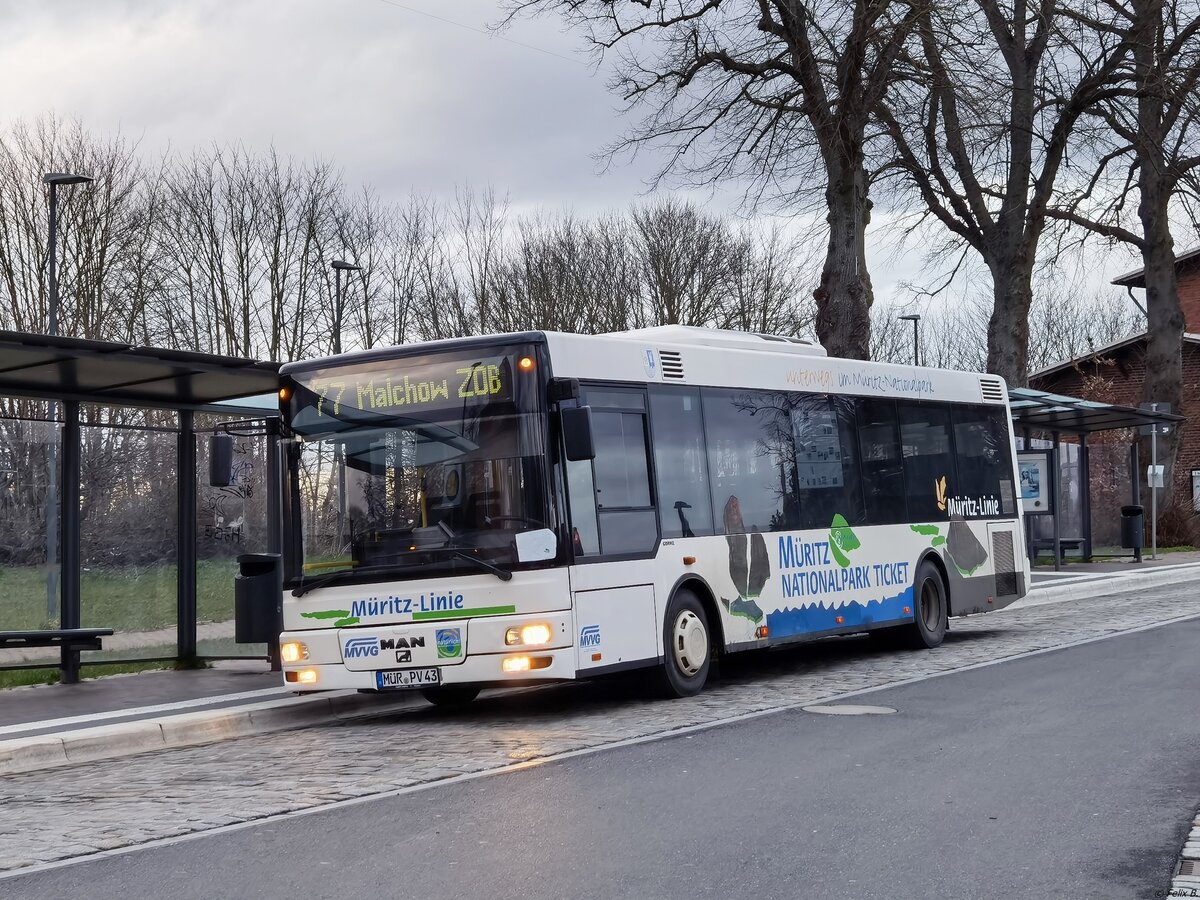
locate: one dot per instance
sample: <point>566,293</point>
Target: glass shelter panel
<point>232,520</point>
<point>30,453</point>
<point>128,529</point>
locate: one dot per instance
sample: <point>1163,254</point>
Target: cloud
<point>398,99</point>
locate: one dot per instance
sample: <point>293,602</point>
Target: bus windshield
<point>417,464</point>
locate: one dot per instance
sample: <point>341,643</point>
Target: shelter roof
<point>64,368</point>
<point>1056,412</point>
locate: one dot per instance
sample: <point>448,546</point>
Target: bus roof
<point>679,354</point>
<point>675,354</point>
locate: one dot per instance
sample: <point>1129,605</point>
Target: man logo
<point>404,656</point>
<point>589,636</point>
<point>361,647</point>
<point>400,642</point>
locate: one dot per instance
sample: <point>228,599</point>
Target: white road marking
<point>559,757</point>
<point>847,709</point>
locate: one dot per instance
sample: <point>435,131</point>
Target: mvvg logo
<point>361,647</point>
<point>589,636</point>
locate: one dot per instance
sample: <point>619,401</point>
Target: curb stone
<point>187,729</point>
<point>1108,584</point>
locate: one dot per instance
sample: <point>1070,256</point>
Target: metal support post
<point>1085,478</point>
<point>1154,491</point>
<point>1055,469</point>
<point>274,525</point>
<point>1135,486</point>
<point>72,474</point>
<point>52,522</point>
<point>185,538</point>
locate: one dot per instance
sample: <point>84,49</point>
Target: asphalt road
<point>1071,774</point>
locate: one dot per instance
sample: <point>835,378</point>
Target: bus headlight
<point>525,663</point>
<point>529,635</point>
<point>293,651</point>
<point>303,676</point>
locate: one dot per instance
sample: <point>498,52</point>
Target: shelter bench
<point>1064,544</point>
<point>71,641</point>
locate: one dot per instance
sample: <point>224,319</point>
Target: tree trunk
<point>1008,328</point>
<point>845,296</point>
<point>1164,318</point>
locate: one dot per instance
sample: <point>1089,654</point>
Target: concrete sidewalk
<point>51,725</point>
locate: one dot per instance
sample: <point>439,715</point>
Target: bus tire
<point>687,647</point>
<point>450,696</point>
<point>930,608</point>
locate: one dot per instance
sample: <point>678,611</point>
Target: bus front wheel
<point>931,608</point>
<point>687,647</point>
<point>450,695</point>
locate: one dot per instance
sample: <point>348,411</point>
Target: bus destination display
<point>398,387</point>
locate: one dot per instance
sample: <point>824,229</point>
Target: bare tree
<point>1146,145</point>
<point>981,127</point>
<point>685,259</point>
<point>103,231</point>
<point>1063,324</point>
<point>780,92</point>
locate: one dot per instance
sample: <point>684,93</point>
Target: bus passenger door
<point>614,528</point>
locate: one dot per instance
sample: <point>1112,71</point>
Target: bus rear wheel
<point>687,647</point>
<point>450,696</point>
<point>930,608</point>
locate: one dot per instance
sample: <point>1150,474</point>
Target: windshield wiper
<point>305,585</point>
<point>502,574</point>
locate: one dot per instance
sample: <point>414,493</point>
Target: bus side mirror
<point>220,460</point>
<point>577,433</point>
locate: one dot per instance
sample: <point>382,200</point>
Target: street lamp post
<point>340,266</point>
<point>915,318</point>
<point>53,180</point>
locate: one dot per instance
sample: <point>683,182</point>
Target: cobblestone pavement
<point>79,810</point>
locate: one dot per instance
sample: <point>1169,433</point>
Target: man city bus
<point>545,507</point>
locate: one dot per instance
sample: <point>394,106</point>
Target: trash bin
<point>257,597</point>
<point>1132,527</point>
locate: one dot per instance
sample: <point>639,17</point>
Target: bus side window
<point>882,474</point>
<point>928,458</point>
<point>984,456</point>
<point>680,462</point>
<point>626,514</point>
<point>827,480</point>
<point>751,460</point>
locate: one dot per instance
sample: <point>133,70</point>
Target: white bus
<point>546,507</point>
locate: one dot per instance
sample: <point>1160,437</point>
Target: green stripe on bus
<point>465,613</point>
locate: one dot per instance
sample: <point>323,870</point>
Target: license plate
<point>407,678</point>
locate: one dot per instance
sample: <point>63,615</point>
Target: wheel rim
<point>690,643</point>
<point>931,605</point>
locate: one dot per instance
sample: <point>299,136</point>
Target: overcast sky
<point>398,99</point>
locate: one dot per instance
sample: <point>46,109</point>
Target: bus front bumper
<point>482,668</point>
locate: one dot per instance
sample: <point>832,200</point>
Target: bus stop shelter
<point>1057,416</point>
<point>72,372</point>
